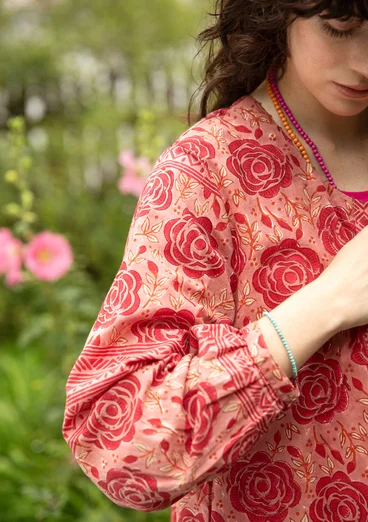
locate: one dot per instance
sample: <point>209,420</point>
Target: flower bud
<point>12,209</point>
<point>11,176</point>
<point>27,199</point>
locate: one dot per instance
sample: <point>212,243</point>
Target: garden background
<point>91,93</point>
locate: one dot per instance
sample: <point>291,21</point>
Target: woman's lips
<point>351,93</point>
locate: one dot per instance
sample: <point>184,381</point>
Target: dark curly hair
<point>252,37</point>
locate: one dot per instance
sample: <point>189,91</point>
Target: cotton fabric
<point>175,399</point>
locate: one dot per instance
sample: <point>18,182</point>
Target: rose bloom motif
<point>164,337</point>
<point>163,326</point>
<point>191,246</point>
<point>359,353</point>
<point>285,269</point>
<point>156,194</point>
<point>235,451</point>
<point>263,489</point>
<point>122,298</point>
<point>134,489</point>
<point>202,408</point>
<point>338,499</point>
<point>335,229</point>
<point>323,391</point>
<point>161,369</point>
<point>261,169</point>
<point>187,516</point>
<point>195,145</point>
<point>114,415</point>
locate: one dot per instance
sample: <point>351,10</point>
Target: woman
<point>187,394</point>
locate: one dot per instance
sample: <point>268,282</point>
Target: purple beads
<point>292,118</point>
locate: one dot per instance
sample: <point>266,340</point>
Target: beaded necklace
<point>281,106</point>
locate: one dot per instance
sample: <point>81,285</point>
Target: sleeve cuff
<point>285,390</point>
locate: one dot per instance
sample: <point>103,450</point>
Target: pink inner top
<point>362,196</point>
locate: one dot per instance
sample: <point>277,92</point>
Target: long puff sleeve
<point>167,393</point>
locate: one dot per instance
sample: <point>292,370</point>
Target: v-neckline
<point>323,180</point>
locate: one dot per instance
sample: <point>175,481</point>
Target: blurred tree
<point>91,78</point>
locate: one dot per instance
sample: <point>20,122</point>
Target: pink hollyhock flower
<point>48,256</point>
<point>126,159</point>
<point>130,184</point>
<point>135,173</point>
<point>5,239</point>
<point>10,257</point>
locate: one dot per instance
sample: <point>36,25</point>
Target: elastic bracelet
<point>293,364</point>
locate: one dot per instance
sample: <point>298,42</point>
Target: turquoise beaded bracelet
<point>293,364</point>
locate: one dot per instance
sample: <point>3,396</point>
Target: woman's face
<point>318,58</point>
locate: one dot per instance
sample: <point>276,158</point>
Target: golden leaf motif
<point>232,406</point>
<point>157,227</point>
<point>141,447</point>
<point>150,460</point>
<point>166,468</point>
<point>150,279</point>
<point>152,239</point>
<point>294,428</point>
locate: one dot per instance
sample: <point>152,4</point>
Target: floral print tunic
<point>175,399</point>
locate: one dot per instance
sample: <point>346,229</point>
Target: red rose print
<point>202,407</point>
<point>165,337</point>
<point>334,228</point>
<point>264,489</point>
<point>187,515</point>
<point>163,326</point>
<point>191,246</point>
<point>122,298</point>
<point>285,269</point>
<point>195,145</point>
<point>237,261</point>
<point>323,391</point>
<point>261,169</point>
<point>114,415</point>
<point>134,489</point>
<point>175,399</point>
<point>157,193</point>
<point>234,452</point>
<point>159,338</point>
<point>338,499</point>
<point>162,368</point>
<point>359,344</point>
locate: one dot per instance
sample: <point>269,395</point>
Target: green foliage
<point>39,479</point>
<point>59,172</point>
